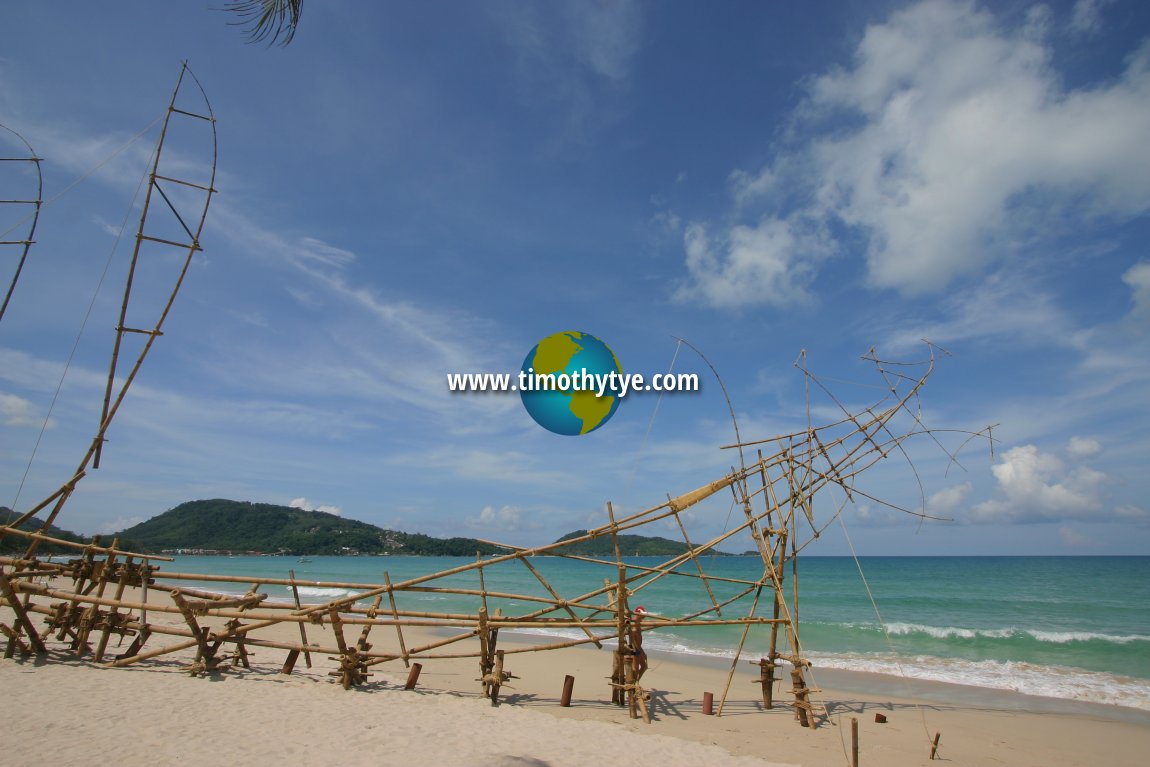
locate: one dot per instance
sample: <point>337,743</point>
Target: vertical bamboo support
<point>802,694</point>
<point>145,577</point>
<point>497,681</point>
<point>302,630</point>
<point>618,677</point>
<point>767,668</point>
<point>351,670</point>
<point>621,661</point>
<point>21,614</point>
<point>489,657</point>
<point>395,615</point>
<point>362,645</point>
<point>112,616</point>
<point>14,643</point>
<point>205,659</point>
<point>629,688</point>
<point>854,742</point>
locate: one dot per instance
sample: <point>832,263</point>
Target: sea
<point>1073,628</point>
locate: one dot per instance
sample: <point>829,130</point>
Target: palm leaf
<point>271,20</point>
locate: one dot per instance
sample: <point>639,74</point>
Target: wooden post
<point>934,746</point>
<point>568,688</point>
<point>708,704</point>
<point>766,679</point>
<point>413,676</point>
<point>289,664</point>
<point>854,742</point>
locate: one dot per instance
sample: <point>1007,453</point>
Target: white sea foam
<point>324,594</point>
<point>1063,637</point>
<point>1025,678</point>
<point>954,632</point>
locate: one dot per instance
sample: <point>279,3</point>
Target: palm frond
<point>272,20</point>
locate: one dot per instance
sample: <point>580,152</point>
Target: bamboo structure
<point>223,620</point>
<point>776,493</point>
<point>17,236</point>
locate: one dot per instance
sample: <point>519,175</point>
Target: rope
<point>89,172</point>
<point>647,435</point>
<point>882,625</point>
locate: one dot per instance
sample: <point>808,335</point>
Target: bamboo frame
<point>776,515</point>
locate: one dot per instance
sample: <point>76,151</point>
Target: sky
<point>409,190</point>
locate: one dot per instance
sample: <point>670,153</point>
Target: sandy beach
<point>156,713</point>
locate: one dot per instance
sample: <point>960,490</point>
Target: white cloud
<point>1131,512</point>
<point>999,306</point>
<point>605,35</point>
<point>869,517</point>
<point>17,411</point>
<point>1138,278</point>
<point>1086,18</point>
<point>118,524</point>
<point>763,264</point>
<point>1034,487</point>
<point>1074,538</point>
<point>601,38</point>
<point>1083,447</point>
<point>948,500</point>
<point>519,468</point>
<point>505,518</point>
<point>947,145</point>
<point>306,505</point>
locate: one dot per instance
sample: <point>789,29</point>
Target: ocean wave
<point>956,632</point>
<point>1063,637</point>
<point>325,594</point>
<point>1016,676</point>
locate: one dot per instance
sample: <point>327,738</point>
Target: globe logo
<point>564,374</point>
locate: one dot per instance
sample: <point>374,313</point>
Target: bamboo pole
<point>559,601</point>
<point>113,614</point>
<point>21,614</point>
<point>698,565</point>
<point>739,652</point>
<point>395,615</point>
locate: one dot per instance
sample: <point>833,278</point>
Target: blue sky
<point>409,190</point>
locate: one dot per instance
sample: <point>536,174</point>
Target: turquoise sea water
<point>1076,627</point>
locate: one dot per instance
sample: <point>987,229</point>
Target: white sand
<point>63,711</point>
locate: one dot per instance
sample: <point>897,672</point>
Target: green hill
<point>15,544</point>
<point>221,525</point>
<point>629,545</point>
